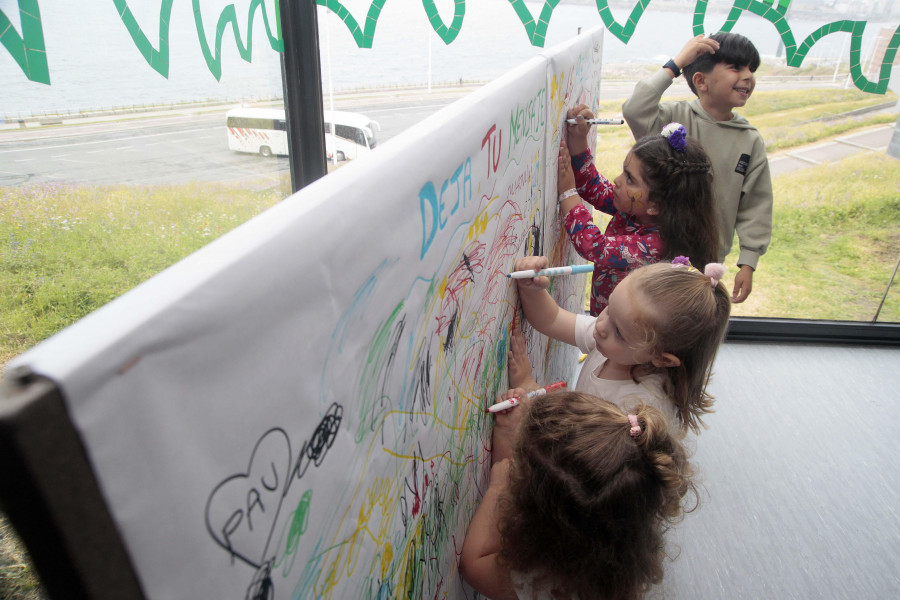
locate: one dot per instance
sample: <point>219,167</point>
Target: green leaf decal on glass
<point>29,52</point>
<point>537,32</point>
<point>229,16</point>
<point>158,59</point>
<point>27,49</point>
<point>776,15</point>
<point>363,38</point>
<point>448,34</point>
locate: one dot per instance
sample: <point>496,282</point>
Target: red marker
<point>515,401</point>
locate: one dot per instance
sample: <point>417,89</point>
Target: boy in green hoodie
<point>719,70</point>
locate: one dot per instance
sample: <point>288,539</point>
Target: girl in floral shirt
<point>662,204</point>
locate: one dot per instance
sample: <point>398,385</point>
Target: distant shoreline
<point>621,76</point>
<point>618,73</point>
<point>624,7</point>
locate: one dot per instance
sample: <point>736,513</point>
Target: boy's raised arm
<point>642,110</point>
<point>694,49</point>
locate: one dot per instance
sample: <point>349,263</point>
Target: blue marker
<point>569,270</point>
<point>598,121</point>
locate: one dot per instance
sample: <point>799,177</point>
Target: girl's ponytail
<point>667,458</point>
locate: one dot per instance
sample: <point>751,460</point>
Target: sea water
<point>94,63</point>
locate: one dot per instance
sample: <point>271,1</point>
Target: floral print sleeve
<point>624,245</point>
<point>593,187</point>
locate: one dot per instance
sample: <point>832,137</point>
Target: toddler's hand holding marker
<point>552,271</point>
<point>515,401</point>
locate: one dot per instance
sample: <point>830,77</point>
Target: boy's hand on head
<point>565,175</point>
<point>694,49</point>
<point>536,263</point>
<point>743,284</point>
<point>577,133</point>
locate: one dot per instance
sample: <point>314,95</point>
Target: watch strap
<point>673,67</point>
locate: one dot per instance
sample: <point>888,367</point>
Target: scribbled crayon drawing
<point>414,435</point>
<point>314,431</point>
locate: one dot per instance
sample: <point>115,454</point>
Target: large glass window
<point>117,155</point>
<point>118,159</point>
<point>133,133</point>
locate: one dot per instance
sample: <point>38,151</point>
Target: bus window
<point>257,130</point>
<point>348,132</point>
<point>264,130</point>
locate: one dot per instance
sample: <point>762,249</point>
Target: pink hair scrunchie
<point>635,426</point>
<point>715,272</point>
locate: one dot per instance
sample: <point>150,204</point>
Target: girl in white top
<point>654,343</point>
<point>580,495</point>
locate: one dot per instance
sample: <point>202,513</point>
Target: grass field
<point>67,250</point>
<point>835,242</point>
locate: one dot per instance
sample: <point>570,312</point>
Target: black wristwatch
<point>671,65</point>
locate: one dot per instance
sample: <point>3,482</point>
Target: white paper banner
<point>296,410</point>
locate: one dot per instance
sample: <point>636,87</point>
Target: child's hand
<point>508,420</point>
<point>694,49</point>
<point>518,365</point>
<point>565,175</point>
<point>536,263</point>
<point>503,439</point>
<point>577,133</point>
<point>743,283</point>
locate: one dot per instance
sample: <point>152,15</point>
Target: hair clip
<point>681,261</point>
<point>635,426</point>
<point>675,133</point>
<point>715,272</point>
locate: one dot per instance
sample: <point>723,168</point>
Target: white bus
<point>264,131</point>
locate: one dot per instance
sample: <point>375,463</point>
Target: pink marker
<point>515,401</point>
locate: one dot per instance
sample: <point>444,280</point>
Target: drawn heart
<point>242,510</point>
<point>28,49</point>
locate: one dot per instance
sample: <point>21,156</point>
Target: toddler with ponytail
<point>579,508</point>
<point>654,343</point>
<point>662,204</point>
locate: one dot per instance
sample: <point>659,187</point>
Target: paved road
<point>870,140</point>
<point>172,146</point>
<point>189,143</point>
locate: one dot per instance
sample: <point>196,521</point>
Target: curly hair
<point>681,186</point>
<point>682,313</point>
<point>587,504</point>
<point>734,49</point>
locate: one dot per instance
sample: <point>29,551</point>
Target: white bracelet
<point>568,194</point>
